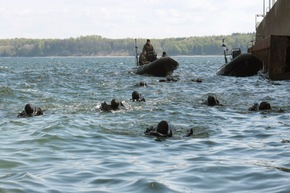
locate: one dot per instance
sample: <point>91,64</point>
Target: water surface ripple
<point>76,148</point>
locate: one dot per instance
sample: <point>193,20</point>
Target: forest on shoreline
<point>95,45</point>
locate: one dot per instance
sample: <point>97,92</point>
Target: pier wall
<point>276,22</point>
<point>274,52</point>
<point>272,44</point>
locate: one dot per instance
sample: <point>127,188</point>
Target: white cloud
<point>127,18</point>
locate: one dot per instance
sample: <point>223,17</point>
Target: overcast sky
<point>126,18</point>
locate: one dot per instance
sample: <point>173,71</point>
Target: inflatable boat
<point>161,67</point>
<point>241,66</point>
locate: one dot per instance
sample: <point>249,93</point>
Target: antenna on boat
<point>225,51</point>
<point>136,49</point>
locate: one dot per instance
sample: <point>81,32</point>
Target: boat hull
<point>242,66</point>
<point>161,67</point>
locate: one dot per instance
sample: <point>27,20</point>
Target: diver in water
<point>137,97</point>
<point>114,106</point>
<point>169,79</point>
<point>163,130</point>
<point>199,80</point>
<point>142,83</point>
<point>262,107</point>
<point>30,110</point>
<point>212,101</point>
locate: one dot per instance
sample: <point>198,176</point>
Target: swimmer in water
<point>142,83</point>
<point>136,96</point>
<point>262,107</point>
<point>163,130</point>
<point>30,110</point>
<point>212,101</point>
<point>114,106</point>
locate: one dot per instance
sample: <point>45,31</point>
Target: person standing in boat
<point>150,52</point>
<point>143,59</point>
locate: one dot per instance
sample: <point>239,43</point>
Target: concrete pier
<point>272,45</point>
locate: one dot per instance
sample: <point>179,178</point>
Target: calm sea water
<point>76,148</point>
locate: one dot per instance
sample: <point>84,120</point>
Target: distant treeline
<point>100,46</point>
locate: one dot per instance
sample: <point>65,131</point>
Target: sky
<point>118,19</point>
